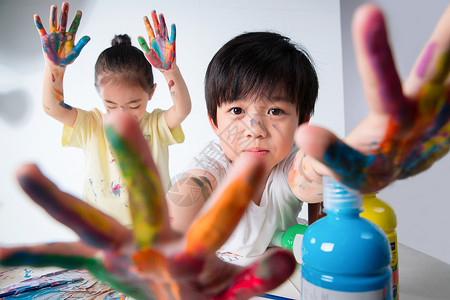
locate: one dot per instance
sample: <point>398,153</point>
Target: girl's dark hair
<point>123,63</point>
<point>257,64</point>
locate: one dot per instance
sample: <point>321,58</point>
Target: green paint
<point>146,194</point>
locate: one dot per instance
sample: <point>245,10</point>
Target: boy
<point>259,88</point>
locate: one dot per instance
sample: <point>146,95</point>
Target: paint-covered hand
<point>150,261</point>
<point>58,45</point>
<point>408,126</point>
<point>161,53</point>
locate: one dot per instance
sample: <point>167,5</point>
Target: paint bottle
<point>344,255</point>
<point>382,214</point>
<point>291,240</point>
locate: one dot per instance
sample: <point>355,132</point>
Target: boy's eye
<point>236,111</point>
<point>276,111</point>
<point>134,107</point>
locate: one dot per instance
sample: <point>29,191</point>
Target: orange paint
<point>209,232</point>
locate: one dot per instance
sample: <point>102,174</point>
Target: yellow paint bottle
<point>382,214</point>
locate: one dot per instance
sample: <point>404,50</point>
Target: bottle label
<point>297,248</point>
<point>313,292</point>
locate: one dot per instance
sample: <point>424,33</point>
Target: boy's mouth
<point>256,151</point>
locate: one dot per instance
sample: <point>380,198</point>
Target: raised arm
<point>407,128</point>
<point>161,55</point>
<point>59,50</point>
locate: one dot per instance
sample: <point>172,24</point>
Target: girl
<point>124,80</point>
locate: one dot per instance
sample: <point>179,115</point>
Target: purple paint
<point>425,60</point>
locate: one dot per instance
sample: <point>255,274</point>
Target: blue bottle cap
<point>337,196</point>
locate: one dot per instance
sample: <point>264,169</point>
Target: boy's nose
<point>256,127</point>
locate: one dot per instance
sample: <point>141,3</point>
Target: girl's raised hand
<point>58,45</point>
<point>161,53</point>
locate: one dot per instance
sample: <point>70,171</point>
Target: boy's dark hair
<point>123,63</point>
<point>258,63</point>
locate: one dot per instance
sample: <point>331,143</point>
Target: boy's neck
<point>260,190</point>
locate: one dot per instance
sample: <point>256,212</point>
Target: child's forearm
<point>186,198</point>
<point>180,97</point>
<point>305,178</point>
<point>53,96</point>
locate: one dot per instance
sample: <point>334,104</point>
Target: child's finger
<point>264,275</point>
<point>149,29</point>
<point>53,27</point>
<point>143,44</point>
<point>173,33</point>
<point>77,49</point>
<point>213,228</point>
<point>75,23</point>
<point>433,62</point>
<point>382,84</point>
<point>63,18</point>
<point>156,24</point>
<point>66,255</point>
<point>348,165</point>
<point>163,26</point>
<point>39,26</point>
<point>94,227</point>
<point>147,198</point>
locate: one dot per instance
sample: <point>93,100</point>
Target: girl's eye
<point>135,107</point>
<point>236,111</point>
<point>276,111</point>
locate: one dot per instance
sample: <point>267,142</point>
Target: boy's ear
<point>213,126</point>
<point>152,91</point>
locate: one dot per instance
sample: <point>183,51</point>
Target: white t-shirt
<point>278,209</point>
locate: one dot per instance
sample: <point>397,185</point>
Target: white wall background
<point>27,134</point>
<point>421,202</point>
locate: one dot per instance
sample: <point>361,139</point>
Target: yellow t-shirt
<point>103,185</point>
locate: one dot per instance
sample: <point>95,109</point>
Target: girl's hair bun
<point>121,39</point>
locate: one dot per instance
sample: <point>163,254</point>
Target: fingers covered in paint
<point>65,255</point>
<point>429,67</point>
<point>403,134</point>
<point>213,228</point>
<point>139,172</point>
<point>261,276</point>
<point>59,44</point>
<point>94,227</point>
<point>161,53</point>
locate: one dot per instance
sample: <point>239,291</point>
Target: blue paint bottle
<point>345,257</point>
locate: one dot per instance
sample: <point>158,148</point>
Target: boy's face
<point>263,128</point>
<point>132,100</point>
